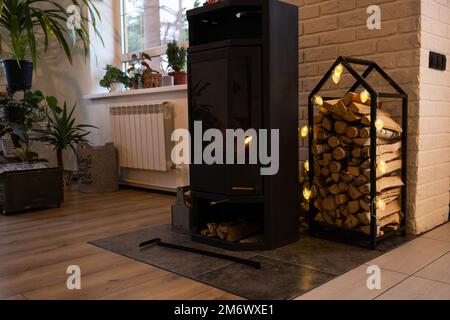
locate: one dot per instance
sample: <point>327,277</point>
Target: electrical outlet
<point>438,61</point>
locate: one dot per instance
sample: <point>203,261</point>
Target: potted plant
<point>114,79</point>
<point>19,118</point>
<point>138,67</point>
<point>62,133</point>
<point>30,183</point>
<point>26,23</point>
<point>177,60</point>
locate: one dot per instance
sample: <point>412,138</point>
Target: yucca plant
<point>61,131</point>
<point>24,23</point>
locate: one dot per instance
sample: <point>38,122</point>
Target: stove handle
<point>243,189</point>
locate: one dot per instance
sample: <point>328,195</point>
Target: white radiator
<point>141,134</point>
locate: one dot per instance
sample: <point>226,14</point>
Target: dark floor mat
<point>286,272</point>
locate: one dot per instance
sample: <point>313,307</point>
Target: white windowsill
<point>136,92</point>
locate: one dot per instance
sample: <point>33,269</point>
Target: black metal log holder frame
<point>347,62</point>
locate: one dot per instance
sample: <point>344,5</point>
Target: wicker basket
<point>152,79</point>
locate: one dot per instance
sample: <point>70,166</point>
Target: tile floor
<point>419,269</point>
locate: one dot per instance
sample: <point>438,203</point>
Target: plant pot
<point>180,77</point>
<point>18,76</point>
<point>117,87</point>
<point>168,81</point>
<point>152,79</point>
<point>136,83</point>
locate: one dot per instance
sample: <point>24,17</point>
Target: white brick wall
<point>433,177</point>
<point>329,28</point>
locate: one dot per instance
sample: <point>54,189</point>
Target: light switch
<point>438,61</point>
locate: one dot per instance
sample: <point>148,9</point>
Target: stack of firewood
<point>341,150</point>
<point>233,231</point>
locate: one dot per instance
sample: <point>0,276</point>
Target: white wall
<point>433,176</point>
<point>55,76</point>
<point>98,112</point>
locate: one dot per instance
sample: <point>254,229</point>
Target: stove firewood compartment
<point>243,74</point>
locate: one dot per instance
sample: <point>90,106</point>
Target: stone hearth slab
<point>286,272</point>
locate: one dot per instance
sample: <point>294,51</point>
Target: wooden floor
<point>37,247</point>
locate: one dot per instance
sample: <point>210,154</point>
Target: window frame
<point>153,52</point>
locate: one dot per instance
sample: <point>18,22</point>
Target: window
<point>148,24</point>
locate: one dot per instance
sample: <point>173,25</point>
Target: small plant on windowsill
<point>139,64</point>
<point>177,61</point>
<point>115,79</point>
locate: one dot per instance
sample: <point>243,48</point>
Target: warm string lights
<point>307,193</point>
<point>381,204</point>
<point>339,68</point>
<point>379,124</point>
<point>364,96</point>
<point>382,167</point>
<point>318,100</point>
<point>304,131</point>
<point>336,77</point>
<point>337,73</point>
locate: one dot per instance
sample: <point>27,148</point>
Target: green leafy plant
<point>176,56</point>
<point>29,22</point>
<point>114,75</point>
<point>61,131</point>
<point>139,64</point>
<point>19,118</point>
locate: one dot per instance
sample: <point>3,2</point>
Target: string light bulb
<point>318,100</point>
<point>379,124</point>
<point>382,167</point>
<point>364,96</point>
<point>336,77</point>
<point>307,193</point>
<point>381,204</point>
<point>248,140</point>
<point>306,166</point>
<point>339,69</point>
<point>304,131</point>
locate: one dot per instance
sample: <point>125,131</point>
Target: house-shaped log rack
<point>360,213</point>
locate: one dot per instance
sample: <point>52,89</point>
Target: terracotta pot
<point>180,77</point>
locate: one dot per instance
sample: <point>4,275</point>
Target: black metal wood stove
<point>243,74</point>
